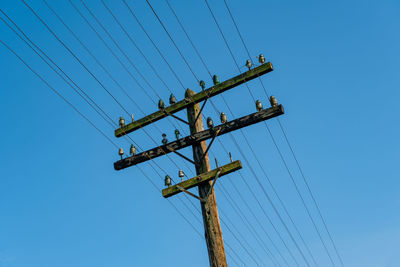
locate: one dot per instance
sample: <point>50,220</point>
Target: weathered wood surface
<point>196,98</point>
<point>200,136</point>
<point>212,227</point>
<point>204,177</point>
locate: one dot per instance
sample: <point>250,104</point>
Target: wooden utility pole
<point>206,178</point>
<point>212,227</point>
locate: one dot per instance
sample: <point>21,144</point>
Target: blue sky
<point>335,72</point>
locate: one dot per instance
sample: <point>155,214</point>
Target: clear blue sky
<point>335,71</point>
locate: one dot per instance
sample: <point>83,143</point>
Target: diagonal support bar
<point>204,177</point>
<point>200,136</point>
<point>197,98</point>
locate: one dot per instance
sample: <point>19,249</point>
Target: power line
<point>291,149</point>
<point>73,54</point>
<point>172,40</point>
<point>58,93</point>
<point>200,58</point>
<point>135,44</point>
<point>153,43</point>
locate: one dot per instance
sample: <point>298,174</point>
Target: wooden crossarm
<point>195,181</point>
<point>200,136</point>
<point>199,97</point>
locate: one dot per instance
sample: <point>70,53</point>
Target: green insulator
<point>261,59</point>
<point>177,134</point>
<point>216,80</point>
<point>172,99</point>
<point>273,101</point>
<point>164,141</point>
<point>167,181</point>
<point>259,105</point>
<point>202,84</point>
<point>161,104</point>
<point>210,123</point>
<point>132,150</point>
<point>249,64</point>
<point>121,122</point>
<point>223,117</point>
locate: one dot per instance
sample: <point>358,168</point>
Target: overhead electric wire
<point>312,195</point>
<point>80,92</point>
<point>248,225</point>
<point>95,58</point>
<point>101,132</point>
<point>58,93</point>
<point>136,46</point>
<point>126,56</point>
<point>89,10</point>
<point>122,52</point>
<point>292,152</point>
<point>231,53</point>
<point>99,36</point>
<point>197,54</point>
<point>190,68</point>
<point>172,40</point>
<point>55,91</point>
<point>183,57</point>
<point>73,54</point>
<point>53,68</point>
<point>86,69</point>
<point>151,40</point>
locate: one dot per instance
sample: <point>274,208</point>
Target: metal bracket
<point>201,109</point>
<point>175,117</point>
<point>181,155</point>
<point>187,192</point>
<point>209,145</point>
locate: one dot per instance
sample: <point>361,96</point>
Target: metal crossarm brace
<point>209,145</point>
<point>197,98</point>
<point>200,136</point>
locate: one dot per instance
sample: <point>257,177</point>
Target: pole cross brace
<point>209,145</point>
<point>209,191</point>
<point>175,117</point>
<point>201,178</point>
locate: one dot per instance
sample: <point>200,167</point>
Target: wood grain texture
<point>197,137</point>
<point>195,98</point>
<point>212,227</point>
